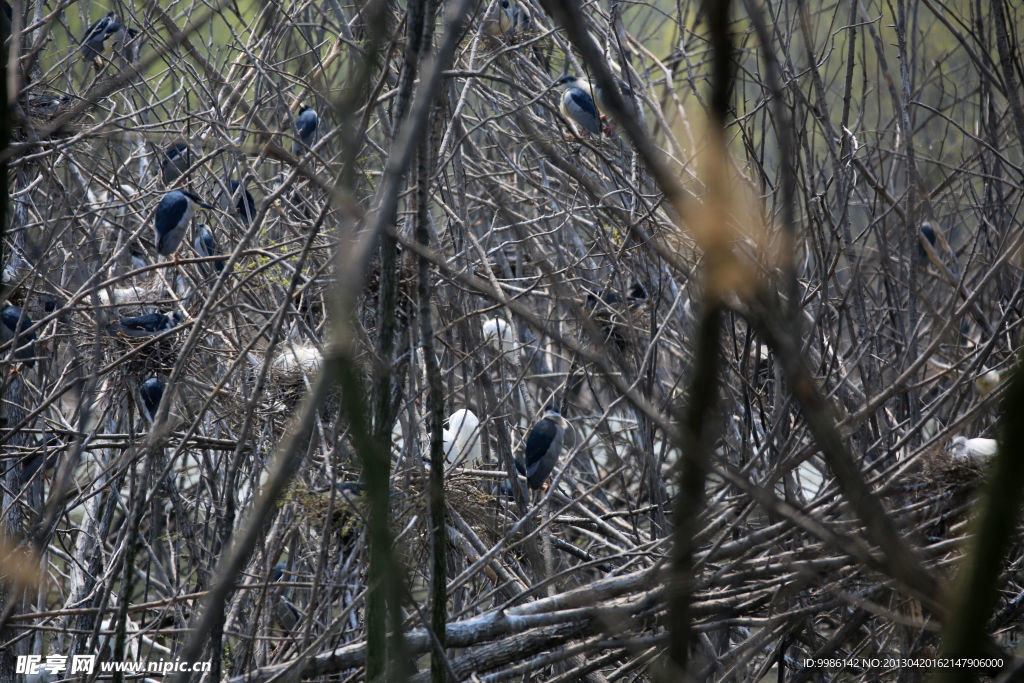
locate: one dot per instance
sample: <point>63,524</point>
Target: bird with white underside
<point>543,446</point>
<point>172,217</point>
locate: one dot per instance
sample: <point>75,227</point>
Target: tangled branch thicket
<point>236,520</point>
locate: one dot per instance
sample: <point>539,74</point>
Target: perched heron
<point>286,614</point>
<point>972,449</point>
<point>171,219</point>
<point>128,45</point>
<point>522,21</point>
<point>100,39</point>
<point>146,325</point>
<point>177,158</point>
<point>462,438</point>
<point>987,382</point>
<point>46,455</point>
<point>15,322</point>
<point>617,317</point>
<point>152,392</point>
<point>543,446</point>
<point>601,100</point>
<point>306,125</point>
<point>927,232</point>
<point>498,333</point>
<point>609,297</point>
<point>577,105</point>
<point>206,247</point>
<point>500,20</point>
<point>245,205</point>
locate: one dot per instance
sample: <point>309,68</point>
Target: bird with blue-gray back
<point>147,325</point>
<point>172,217</point>
<point>128,45</point>
<point>286,614</point>
<point>100,39</point>
<point>151,392</point>
<point>206,246</point>
<point>15,322</point>
<point>177,158</point>
<point>578,106</point>
<point>543,446</point>
<point>306,125</point>
<point>928,233</point>
<point>601,100</point>
<point>245,205</point>
<point>522,20</point>
<point>500,20</point>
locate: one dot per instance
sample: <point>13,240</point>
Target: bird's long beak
<point>204,205</point>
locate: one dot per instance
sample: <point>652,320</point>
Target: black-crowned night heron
<point>927,233</point>
<point>462,439</point>
<point>171,219</point>
<point>609,297</point>
<point>306,125</point>
<point>245,205</point>
<point>578,106</point>
<point>128,45</point>
<point>972,449</point>
<point>543,446</point>
<point>46,454</point>
<point>100,39</point>
<point>15,322</point>
<point>500,20</point>
<point>286,614</point>
<point>615,316</point>
<point>146,325</point>
<point>177,158</point>
<point>206,246</point>
<point>522,21</point>
<point>601,100</point>
<point>151,392</point>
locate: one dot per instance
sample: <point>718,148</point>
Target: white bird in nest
<point>295,360</point>
<point>498,333</point>
<point>973,449</point>
<point>462,439</point>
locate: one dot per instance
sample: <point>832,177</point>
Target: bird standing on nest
<point>171,219</point>
<point>147,325</point>
<point>543,446</point>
